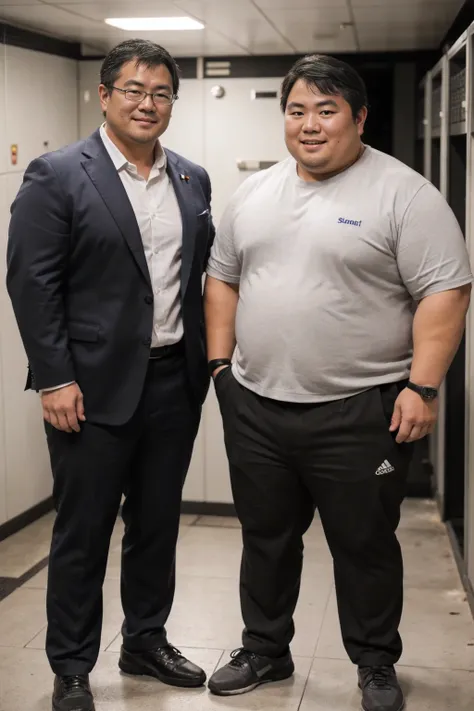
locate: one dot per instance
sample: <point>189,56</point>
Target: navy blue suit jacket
<point>79,282</point>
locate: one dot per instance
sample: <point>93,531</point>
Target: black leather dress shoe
<point>165,663</point>
<point>72,693</point>
<point>380,689</point>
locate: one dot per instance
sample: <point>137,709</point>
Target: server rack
<point>434,153</point>
<point>456,181</point>
<point>448,132</point>
<point>467,568</point>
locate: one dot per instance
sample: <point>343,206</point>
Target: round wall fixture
<point>218,91</point>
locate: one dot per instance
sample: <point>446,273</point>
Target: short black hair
<point>330,76</point>
<point>144,53</point>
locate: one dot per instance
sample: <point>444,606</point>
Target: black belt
<point>167,351</point>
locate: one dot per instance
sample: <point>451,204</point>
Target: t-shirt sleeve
<point>224,263</point>
<point>431,255</point>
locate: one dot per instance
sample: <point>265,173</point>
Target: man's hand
<point>64,408</point>
<point>413,417</point>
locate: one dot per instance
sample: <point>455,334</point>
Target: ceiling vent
<point>217,69</point>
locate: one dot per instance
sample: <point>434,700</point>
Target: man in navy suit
<point>108,242</point>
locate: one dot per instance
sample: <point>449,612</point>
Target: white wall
<point>215,133</point>
<point>36,123</point>
<point>90,115</point>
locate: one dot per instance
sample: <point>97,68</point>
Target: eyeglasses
<point>135,96</point>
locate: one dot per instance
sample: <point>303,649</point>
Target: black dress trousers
<point>146,460</point>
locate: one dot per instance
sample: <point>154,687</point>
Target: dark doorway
<point>455,379</point>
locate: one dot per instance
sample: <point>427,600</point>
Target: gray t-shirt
<point>329,274</point>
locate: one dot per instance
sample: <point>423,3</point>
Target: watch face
<point>429,393</point>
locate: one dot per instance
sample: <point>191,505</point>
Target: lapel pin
<point>184,177</point>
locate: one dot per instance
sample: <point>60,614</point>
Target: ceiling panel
<point>407,35</point>
<point>200,43</point>
<point>15,3</point>
<point>121,8</point>
<point>132,4</point>
<point>224,12</point>
<point>415,14</point>
<point>203,43</point>
<point>248,26</point>
<point>455,5</point>
<point>315,16</point>
<point>46,18</point>
<point>307,29</point>
<point>374,43</point>
<point>402,25</point>
<point>300,4</point>
<point>406,31</point>
<point>240,21</point>
<point>342,43</point>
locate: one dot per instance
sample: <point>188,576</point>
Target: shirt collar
<point>119,160</point>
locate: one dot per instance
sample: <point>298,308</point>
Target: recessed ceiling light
<point>141,24</point>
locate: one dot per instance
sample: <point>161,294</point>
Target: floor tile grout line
<point>107,649</point>
<point>346,660</point>
<point>305,685</point>
<point>17,583</point>
<point>25,646</point>
<point>29,572</point>
<point>183,646</point>
<point>43,561</point>
<point>216,667</point>
<point>323,618</point>
<point>312,660</point>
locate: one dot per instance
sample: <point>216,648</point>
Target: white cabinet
<point>237,127</point>
<point>38,113</point>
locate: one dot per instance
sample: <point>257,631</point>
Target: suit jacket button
<point>147,341</point>
<point>148,299</point>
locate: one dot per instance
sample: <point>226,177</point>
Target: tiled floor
<point>436,670</point>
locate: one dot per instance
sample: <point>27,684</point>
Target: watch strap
<point>427,393</point>
<point>216,363</point>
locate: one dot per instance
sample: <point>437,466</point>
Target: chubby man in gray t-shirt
<point>341,280</point>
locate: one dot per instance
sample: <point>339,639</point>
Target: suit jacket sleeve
<point>212,229</point>
<point>37,259</point>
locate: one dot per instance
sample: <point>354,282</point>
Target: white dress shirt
<point>159,220</point>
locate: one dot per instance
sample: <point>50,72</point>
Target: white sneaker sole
<point>246,689</point>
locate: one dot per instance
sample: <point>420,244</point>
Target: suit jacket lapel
<point>103,174</point>
<point>184,193</point>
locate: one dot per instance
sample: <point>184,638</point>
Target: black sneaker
<point>247,670</point>
<point>380,689</point>
<point>72,693</point>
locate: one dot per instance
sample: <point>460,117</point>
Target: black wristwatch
<point>216,363</point>
<point>423,391</point>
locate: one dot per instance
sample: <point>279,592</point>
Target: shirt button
<point>148,299</point>
<point>147,342</point>
<point>156,250</point>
